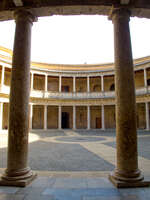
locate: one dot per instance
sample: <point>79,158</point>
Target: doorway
<point>65,120</point>
<point>98,122</point>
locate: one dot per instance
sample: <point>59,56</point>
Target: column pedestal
<point>126,173</point>
<point>18,173</point>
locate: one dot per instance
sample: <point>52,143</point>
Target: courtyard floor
<point>74,165</point>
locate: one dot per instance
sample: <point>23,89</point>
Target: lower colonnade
<point>71,91</point>
<point>47,117</point>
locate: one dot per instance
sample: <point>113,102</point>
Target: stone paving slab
<point>77,168</point>
<point>63,188</point>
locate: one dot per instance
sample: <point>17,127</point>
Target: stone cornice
<point>74,70</point>
<point>140,8</point>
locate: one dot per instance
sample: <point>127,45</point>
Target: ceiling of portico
<point>140,8</point>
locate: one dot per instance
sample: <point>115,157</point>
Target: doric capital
<point>24,15</point>
<point>120,13</point>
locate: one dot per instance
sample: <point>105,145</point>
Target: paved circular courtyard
<point>69,150</point>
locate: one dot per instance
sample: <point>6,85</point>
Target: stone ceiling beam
<point>18,3</point>
<point>124,2</point>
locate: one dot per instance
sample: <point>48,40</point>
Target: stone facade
<point>76,91</point>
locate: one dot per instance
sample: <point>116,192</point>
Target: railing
<point>75,95</point>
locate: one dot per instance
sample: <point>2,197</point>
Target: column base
<point>128,183</point>
<point>22,182</point>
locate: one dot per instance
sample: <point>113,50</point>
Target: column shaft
<point>88,84</point>
<point>88,118</point>
<point>17,172</point>
<point>45,117</point>
<point>60,79</point>
<point>46,78</point>
<point>74,117</point>
<point>103,117</point>
<point>59,117</point>
<point>102,83</point>
<point>147,115</point>
<point>126,173</point>
<point>74,84</point>
<point>145,78</point>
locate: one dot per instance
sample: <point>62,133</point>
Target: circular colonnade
<point>126,173</point>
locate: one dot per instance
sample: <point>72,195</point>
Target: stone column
<point>74,84</point>
<point>45,117</point>
<point>46,79</point>
<point>88,84</point>
<point>145,78</point>
<point>60,83</point>
<point>74,117</point>
<point>126,173</point>
<point>88,118</point>
<point>147,115</point>
<point>103,117</point>
<point>31,115</point>
<point>102,83</point>
<point>1,115</point>
<point>32,78</point>
<point>18,173</point>
<point>59,117</point>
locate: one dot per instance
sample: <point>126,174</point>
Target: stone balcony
<point>75,95</point>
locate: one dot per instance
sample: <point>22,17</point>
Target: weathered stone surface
<point>126,173</point>
<point>18,173</point>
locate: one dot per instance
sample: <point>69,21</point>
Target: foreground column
<point>126,173</point>
<point>18,173</point>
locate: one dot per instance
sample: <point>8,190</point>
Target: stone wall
<point>95,112</point>
<point>141,121</point>
<point>139,79</point>
<point>39,82</point>
<point>52,117</point>
<point>95,84</point>
<point>81,84</point>
<point>53,84</point>
<point>81,117</point>
<point>38,117</point>
<point>110,121</point>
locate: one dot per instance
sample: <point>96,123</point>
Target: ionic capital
<point>24,15</point>
<point>120,13</point>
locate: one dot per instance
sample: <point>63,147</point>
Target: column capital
<point>24,15</point>
<point>121,12</point>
